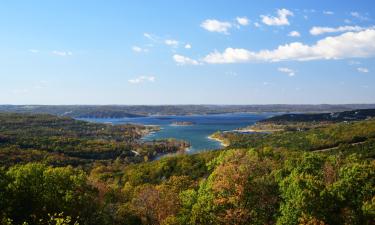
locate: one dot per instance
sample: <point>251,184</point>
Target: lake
<point>197,133</point>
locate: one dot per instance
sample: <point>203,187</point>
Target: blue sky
<point>187,52</point>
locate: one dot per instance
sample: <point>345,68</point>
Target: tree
<point>36,190</point>
<point>355,191</point>
<point>240,190</point>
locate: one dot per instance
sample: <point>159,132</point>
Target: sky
<point>187,52</point>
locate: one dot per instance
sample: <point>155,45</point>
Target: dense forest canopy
<point>321,175</point>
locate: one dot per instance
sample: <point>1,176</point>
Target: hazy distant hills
<point>120,111</point>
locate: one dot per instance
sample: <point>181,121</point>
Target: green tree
<point>35,190</point>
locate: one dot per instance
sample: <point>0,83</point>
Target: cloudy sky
<point>187,52</point>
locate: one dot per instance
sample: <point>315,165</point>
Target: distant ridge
<point>121,111</point>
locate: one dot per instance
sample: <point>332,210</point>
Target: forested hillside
<point>324,175</point>
<point>305,121</point>
<point>65,141</point>
<point>353,115</point>
<point>328,136</point>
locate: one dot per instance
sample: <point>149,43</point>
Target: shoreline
<point>255,130</point>
<point>223,144</point>
<point>149,130</point>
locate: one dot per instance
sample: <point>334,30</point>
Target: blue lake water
<point>196,134</point>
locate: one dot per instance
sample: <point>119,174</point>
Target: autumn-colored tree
<point>154,204</point>
<point>240,190</point>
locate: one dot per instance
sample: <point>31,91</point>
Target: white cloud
<point>230,55</point>
<point>328,12</point>
<point>183,60</point>
<point>147,35</point>
<point>139,49</point>
<point>20,91</point>
<point>34,51</point>
<point>286,70</point>
<point>188,46</point>
<point>363,70</point>
<point>309,11</point>
<point>216,26</point>
<point>322,30</point>
<point>354,62</point>
<point>294,34</point>
<point>358,16</point>
<point>355,14</point>
<point>32,88</point>
<point>256,24</point>
<point>62,53</point>
<point>280,20</point>
<point>243,21</point>
<point>348,45</point>
<point>151,37</point>
<point>40,85</point>
<point>142,79</point>
<point>171,42</point>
